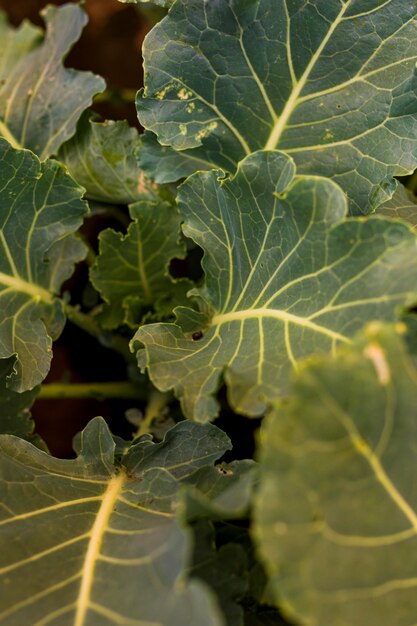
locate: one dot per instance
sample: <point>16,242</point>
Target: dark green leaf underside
<point>15,417</point>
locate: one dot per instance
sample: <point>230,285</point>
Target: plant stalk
<point>100,391</point>
<point>157,402</point>
<point>88,324</point>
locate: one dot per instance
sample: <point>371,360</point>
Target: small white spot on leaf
<point>377,356</point>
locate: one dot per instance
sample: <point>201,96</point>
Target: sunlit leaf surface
<point>97,542</point>
<point>41,100</point>
<point>40,209</point>
<point>330,82</point>
<point>286,276</point>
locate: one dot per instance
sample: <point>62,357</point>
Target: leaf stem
<point>82,320</point>
<point>157,402</point>
<point>88,324</point>
<point>99,390</point>
<point>8,135</point>
<point>115,96</point>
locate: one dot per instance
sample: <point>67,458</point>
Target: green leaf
<point>224,558</point>
<point>15,418</point>
<point>131,271</point>
<point>40,208</point>
<point>221,492</point>
<point>15,44</point>
<point>286,276</point>
<point>199,448</point>
<point>101,158</point>
<point>40,100</point>
<point>331,83</point>
<point>403,205</point>
<point>164,164</point>
<point>98,543</point>
<point>336,515</point>
<point>224,569</point>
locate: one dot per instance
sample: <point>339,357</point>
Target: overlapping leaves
<point>337,530</point>
<point>286,276</point>
<point>402,205</point>
<point>40,100</point>
<point>40,208</point>
<point>331,83</point>
<point>101,158</point>
<point>132,271</point>
<point>96,541</point>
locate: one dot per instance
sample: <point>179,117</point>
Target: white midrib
<point>98,530</point>
<point>364,450</point>
<point>18,284</point>
<point>281,123</point>
<point>283,316</point>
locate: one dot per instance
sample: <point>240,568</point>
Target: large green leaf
<point>402,205</point>
<point>132,271</point>
<point>336,515</point>
<point>40,208</point>
<point>286,276</point>
<point>331,83</point>
<point>97,542</point>
<point>101,158</point>
<point>40,100</point>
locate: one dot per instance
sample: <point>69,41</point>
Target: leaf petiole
<point>157,402</point>
<point>88,324</point>
<point>98,390</point>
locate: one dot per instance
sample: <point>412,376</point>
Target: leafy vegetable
<point>40,209</point>
<point>40,100</point>
<point>97,542</point>
<point>286,276</point>
<point>337,530</point>
<point>132,270</point>
<point>101,158</point>
<point>246,288</point>
<point>331,83</point>
<point>403,205</point>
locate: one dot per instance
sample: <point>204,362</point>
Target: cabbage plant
<point>259,289</point>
